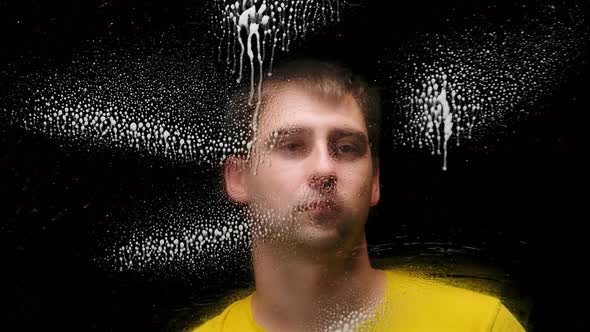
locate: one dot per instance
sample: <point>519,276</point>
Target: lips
<point>320,205</point>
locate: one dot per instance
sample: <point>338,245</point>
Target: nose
<point>323,177</point>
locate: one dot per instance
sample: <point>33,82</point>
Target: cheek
<point>360,188</point>
<point>272,187</point>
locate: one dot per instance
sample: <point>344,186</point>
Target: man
<point>308,181</point>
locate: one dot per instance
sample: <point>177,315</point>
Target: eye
<point>292,146</point>
<point>347,149</point>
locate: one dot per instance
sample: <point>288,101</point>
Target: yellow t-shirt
<point>411,304</point>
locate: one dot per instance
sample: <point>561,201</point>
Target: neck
<point>299,290</point>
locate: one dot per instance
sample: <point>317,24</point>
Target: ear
<point>234,175</point>
<point>375,192</point>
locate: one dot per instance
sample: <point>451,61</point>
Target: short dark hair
<point>326,79</point>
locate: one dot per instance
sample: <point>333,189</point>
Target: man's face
<point>316,182</point>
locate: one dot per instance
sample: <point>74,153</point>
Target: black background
<point>520,197</point>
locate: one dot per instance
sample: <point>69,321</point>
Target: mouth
<point>319,205</point>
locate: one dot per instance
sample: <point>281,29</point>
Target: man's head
<point>317,138</point>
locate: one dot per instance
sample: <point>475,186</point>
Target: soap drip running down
<point>259,27</point>
<point>452,88</point>
<point>163,104</point>
<point>190,236</point>
<point>194,235</point>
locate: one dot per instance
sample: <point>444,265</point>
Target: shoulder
<point>443,305</point>
<point>234,317</point>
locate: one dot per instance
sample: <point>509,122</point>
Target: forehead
<point>293,106</point>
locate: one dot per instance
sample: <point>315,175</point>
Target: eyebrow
<point>333,134</point>
<point>342,133</point>
<point>291,130</point>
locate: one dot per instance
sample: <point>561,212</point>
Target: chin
<point>323,233</point>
